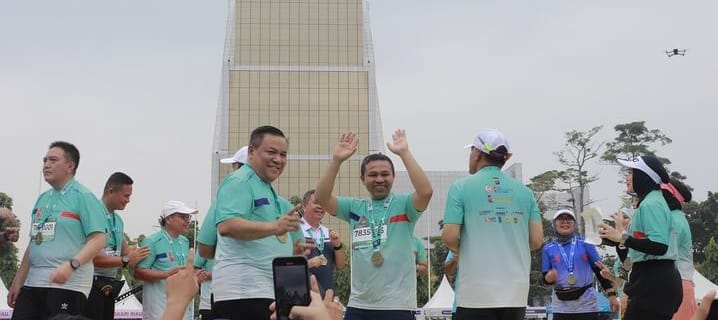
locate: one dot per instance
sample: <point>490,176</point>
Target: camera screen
<point>291,287</point>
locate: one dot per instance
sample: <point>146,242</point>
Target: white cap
<point>174,206</point>
<point>564,211</point>
<point>489,140</point>
<point>627,211</point>
<point>240,156</point>
<point>639,164</point>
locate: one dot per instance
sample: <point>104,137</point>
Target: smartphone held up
<point>291,284</point>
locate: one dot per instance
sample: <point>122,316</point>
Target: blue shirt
<point>584,257</point>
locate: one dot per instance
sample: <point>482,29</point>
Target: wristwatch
<point>74,263</point>
<point>125,261</point>
<point>339,247</point>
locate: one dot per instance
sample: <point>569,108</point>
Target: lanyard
<point>179,257</point>
<point>112,225</point>
<point>377,225</point>
<point>47,212</point>
<point>318,242</point>
<point>569,262</point>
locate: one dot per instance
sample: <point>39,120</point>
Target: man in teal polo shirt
<point>207,237</point>
<point>68,225</point>
<point>494,222</point>
<point>116,254</point>
<point>168,255</point>
<point>204,268</point>
<point>383,268</point>
<point>255,226</point>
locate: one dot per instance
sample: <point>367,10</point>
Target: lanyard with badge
<point>569,261</point>
<point>319,243</point>
<point>181,256</point>
<point>43,227</point>
<point>378,230</point>
<point>112,225</point>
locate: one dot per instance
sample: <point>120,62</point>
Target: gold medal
<point>38,238</point>
<point>571,279</point>
<point>377,259</point>
<point>282,238</point>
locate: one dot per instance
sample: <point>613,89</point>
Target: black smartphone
<point>291,284</point>
<point>713,313</point>
<point>606,242</point>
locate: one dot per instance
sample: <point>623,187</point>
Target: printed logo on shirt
<point>584,257</point>
<point>161,255</point>
<point>37,212</point>
<point>261,202</point>
<point>353,216</point>
<point>557,258</point>
<point>172,257</point>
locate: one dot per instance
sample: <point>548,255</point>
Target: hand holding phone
<point>291,284</point>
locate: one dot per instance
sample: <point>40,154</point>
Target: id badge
<point>361,237</point>
<point>47,232</point>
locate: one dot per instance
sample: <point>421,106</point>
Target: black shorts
<point>242,309</point>
<point>490,313</point>
<point>35,303</point>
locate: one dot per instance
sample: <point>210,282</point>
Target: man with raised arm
<point>383,271</point>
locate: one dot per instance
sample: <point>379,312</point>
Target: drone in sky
<point>676,52</point>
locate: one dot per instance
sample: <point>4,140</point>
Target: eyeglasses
<point>564,219</point>
<point>183,216</point>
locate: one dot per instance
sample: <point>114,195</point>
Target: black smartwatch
<point>75,264</point>
<point>341,245</point>
<point>125,261</point>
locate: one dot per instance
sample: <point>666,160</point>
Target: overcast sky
<point>134,84</point>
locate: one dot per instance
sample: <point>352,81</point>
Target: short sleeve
<point>454,213</point>
<point>344,206</point>
<point>92,214</point>
<point>208,232</point>
<point>545,259</point>
<point>148,261</point>
<point>234,199</point>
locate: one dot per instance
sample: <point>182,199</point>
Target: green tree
<point>703,220</point>
<point>8,252</point>
<point>544,182</point>
<point>295,200</point>
<point>538,290</point>
<point>634,139</point>
<point>709,267</point>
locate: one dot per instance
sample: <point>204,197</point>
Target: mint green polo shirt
<point>653,220</point>
<point>682,231</point>
<point>73,213</point>
<point>166,253</point>
<point>114,234</point>
<point>208,232</point>
<point>244,268</point>
<point>494,212</point>
<point>391,286</point>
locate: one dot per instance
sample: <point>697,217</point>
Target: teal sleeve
<point>449,257</point>
<point>411,212</point>
<point>92,214</point>
<point>234,199</point>
<point>535,214</point>
<point>199,262</point>
<point>208,232</point>
<point>420,250</point>
<point>148,261</point>
<point>454,213</point>
<point>655,223</point>
<point>344,206</point>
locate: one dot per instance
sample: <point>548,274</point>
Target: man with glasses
<point>168,255</point>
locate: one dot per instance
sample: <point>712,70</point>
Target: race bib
<point>361,238</point>
<point>47,230</point>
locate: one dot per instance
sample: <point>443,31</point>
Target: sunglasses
<point>183,216</point>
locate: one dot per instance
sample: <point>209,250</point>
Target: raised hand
<point>302,249</point>
<point>289,222</point>
<point>551,276</point>
<point>398,145</point>
<point>334,238</point>
<point>137,254</point>
<point>348,144</point>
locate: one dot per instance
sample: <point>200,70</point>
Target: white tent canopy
<point>442,300</point>
<point>702,284</point>
<point>5,311</point>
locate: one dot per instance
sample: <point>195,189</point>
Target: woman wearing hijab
<point>654,285</point>
<point>680,195</point>
<point>569,264</point>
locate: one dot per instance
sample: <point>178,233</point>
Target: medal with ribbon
<point>377,230</point>
<point>569,261</point>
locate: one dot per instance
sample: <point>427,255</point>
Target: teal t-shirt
<point>653,220</point>
<point>114,234</point>
<point>494,212</point>
<point>166,253</point>
<point>66,217</point>
<point>684,240</point>
<point>208,233</point>
<point>391,286</point>
<point>420,250</point>
<point>244,268</point>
